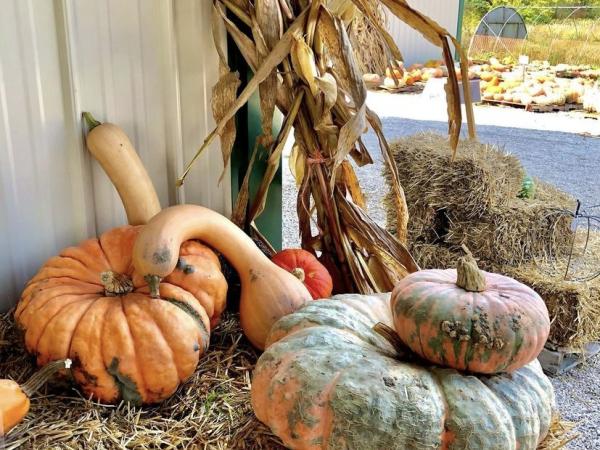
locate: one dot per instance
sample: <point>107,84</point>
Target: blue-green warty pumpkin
<point>328,380</point>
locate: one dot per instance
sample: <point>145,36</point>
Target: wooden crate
<point>538,108</point>
<point>557,360</point>
<point>554,108</point>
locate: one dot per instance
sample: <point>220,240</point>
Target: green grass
<point>571,42</point>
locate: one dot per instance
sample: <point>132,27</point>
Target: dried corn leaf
<point>238,216</point>
<point>350,182</point>
<point>260,199</point>
<point>239,8</point>
<point>267,25</point>
<point>219,36</point>
<point>361,155</point>
<point>297,163</point>
<point>328,87</point>
<point>367,9</point>
<point>327,37</point>
<point>357,125</point>
<point>281,50</point>
<point>286,9</point>
<point>270,22</point>
<point>242,42</point>
<point>376,240</point>
<point>439,36</point>
<point>399,197</point>
<point>223,96</point>
<point>464,70</point>
<point>344,9</point>
<point>381,276</point>
<point>303,61</point>
<point>453,99</point>
<point>413,18</point>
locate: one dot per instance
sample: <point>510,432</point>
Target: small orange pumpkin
<point>469,319</point>
<point>88,304</point>
<point>14,398</point>
<point>307,268</point>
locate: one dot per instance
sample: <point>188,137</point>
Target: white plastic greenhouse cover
<point>147,65</point>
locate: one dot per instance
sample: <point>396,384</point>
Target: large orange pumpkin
<point>327,380</point>
<point>470,319</point>
<point>88,304</point>
<point>307,268</point>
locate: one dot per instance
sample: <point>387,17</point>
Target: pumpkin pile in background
<point>503,81</point>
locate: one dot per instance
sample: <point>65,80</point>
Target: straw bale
<point>473,201</point>
<point>514,233</point>
<point>570,291</point>
<point>211,410</point>
<point>481,177</point>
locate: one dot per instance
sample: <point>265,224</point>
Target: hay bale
<point>574,306</point>
<point>432,256</point>
<point>517,232</point>
<point>211,410</point>
<point>473,201</point>
<point>481,177</point>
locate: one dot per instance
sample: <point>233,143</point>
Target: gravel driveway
<point>568,160</point>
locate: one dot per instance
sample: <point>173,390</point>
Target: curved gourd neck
<point>225,237</point>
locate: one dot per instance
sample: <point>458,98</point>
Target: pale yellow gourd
<point>111,147</point>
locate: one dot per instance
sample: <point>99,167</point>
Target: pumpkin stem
<point>390,335</point>
<point>153,283</point>
<point>298,272</point>
<point>115,283</point>
<point>90,121</point>
<point>43,375</point>
<point>468,275</point>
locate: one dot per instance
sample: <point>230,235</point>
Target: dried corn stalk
<point>304,64</point>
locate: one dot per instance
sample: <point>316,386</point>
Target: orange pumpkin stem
<point>43,375</point>
<point>468,275</point>
<point>298,272</point>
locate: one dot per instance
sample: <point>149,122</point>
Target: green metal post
<point>248,122</point>
<point>459,24</point>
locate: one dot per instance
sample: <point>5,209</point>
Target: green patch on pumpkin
<point>126,385</point>
<point>189,310</point>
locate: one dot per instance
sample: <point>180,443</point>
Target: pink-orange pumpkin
<point>307,268</point>
<point>470,320</point>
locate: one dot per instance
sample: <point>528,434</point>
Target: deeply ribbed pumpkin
<point>307,268</point>
<point>469,319</point>
<point>328,381</point>
<point>88,304</point>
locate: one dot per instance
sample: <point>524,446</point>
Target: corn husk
<point>304,63</point>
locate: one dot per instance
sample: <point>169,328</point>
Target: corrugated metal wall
<point>415,48</point>
<point>147,65</point>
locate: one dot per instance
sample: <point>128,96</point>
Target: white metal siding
<point>147,65</point>
<point>414,47</point>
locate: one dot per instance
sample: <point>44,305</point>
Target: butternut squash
<point>268,291</point>
<point>111,147</point>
